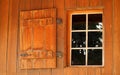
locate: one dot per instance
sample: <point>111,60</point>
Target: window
<point>86,40</point>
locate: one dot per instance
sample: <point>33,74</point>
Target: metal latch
<point>24,54</point>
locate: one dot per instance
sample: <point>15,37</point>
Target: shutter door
<point>37,39</point>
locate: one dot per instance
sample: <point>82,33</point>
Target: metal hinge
<point>59,54</point>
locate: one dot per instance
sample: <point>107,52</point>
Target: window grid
<point>86,48</point>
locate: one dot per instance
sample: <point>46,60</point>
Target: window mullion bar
<point>86,39</point>
<point>70,38</point>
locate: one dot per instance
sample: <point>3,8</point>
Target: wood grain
<point>70,4</point>
<point>38,42</point>
<point>25,40</point>
<point>82,3</point>
<point>3,35</point>
<point>36,4</point>
<point>45,72</point>
<point>35,41</point>
<point>10,68</point>
<point>95,3</point>
<point>82,71</point>
<point>59,4</point>
<point>90,71</point>
<point>12,38</point>
<point>68,38</point>
<point>22,5</point>
<point>71,71</point>
<point>116,40</point>
<point>27,4</point>
<point>33,72</point>
<point>47,4</point>
<point>108,50</point>
<point>98,71</point>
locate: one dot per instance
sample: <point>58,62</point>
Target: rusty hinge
<point>37,54</point>
<point>59,54</point>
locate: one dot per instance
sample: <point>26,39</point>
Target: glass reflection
<point>78,57</point>
<point>95,21</point>
<point>95,57</point>
<point>79,22</point>
<point>78,39</point>
<point>95,39</point>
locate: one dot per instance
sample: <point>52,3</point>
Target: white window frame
<point>86,13</point>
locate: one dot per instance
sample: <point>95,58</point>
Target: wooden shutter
<point>37,39</point>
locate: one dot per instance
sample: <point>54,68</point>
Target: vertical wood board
<point>3,35</point>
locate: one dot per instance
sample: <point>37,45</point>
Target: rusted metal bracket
<point>59,54</point>
<point>37,54</point>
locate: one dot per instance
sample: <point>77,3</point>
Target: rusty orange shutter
<point>37,39</point>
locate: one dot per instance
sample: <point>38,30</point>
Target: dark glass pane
<point>78,39</point>
<point>79,22</point>
<point>95,21</point>
<point>95,57</point>
<point>78,57</point>
<point>95,39</point>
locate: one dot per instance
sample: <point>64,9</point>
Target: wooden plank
<point>82,71</point>
<point>36,4</point>
<point>33,72</point>
<point>25,36</point>
<point>71,71</point>
<point>4,8</point>
<point>25,41</point>
<point>108,50</point>
<point>69,4</point>
<point>59,4</point>
<point>116,40</point>
<point>82,3</point>
<point>27,5</point>
<point>38,39</point>
<point>95,3</point>
<point>26,64</point>
<point>68,39</point>
<point>12,38</point>
<point>45,72</point>
<point>50,44</point>
<point>22,5</point>
<point>3,73</point>
<point>98,71</point>
<point>47,4</point>
<point>59,70</point>
<point>22,72</point>
<point>90,71</point>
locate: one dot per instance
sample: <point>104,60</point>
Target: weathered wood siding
<point>9,27</point>
<point>116,36</point>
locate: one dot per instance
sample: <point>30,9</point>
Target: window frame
<point>69,35</point>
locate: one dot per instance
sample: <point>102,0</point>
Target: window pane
<point>95,21</point>
<point>78,22</point>
<point>78,39</point>
<point>95,39</point>
<point>95,57</point>
<point>78,57</point>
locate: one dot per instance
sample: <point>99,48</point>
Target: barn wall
<point>9,26</point>
<point>116,40</point>
<point>3,35</point>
